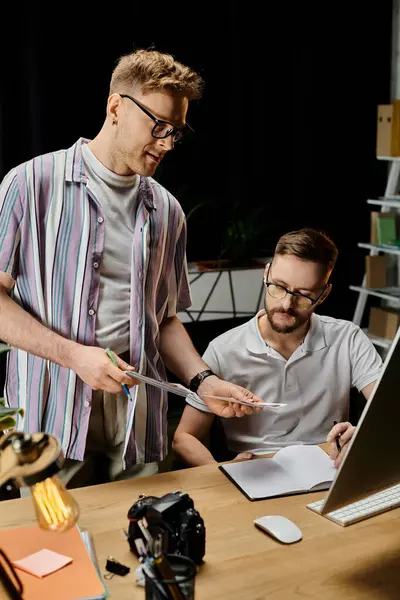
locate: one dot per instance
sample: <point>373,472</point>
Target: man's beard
<point>299,320</point>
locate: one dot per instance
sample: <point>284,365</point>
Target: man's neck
<point>284,343</point>
<point>103,151</point>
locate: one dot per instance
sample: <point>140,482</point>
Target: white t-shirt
<point>117,196</point>
<point>315,382</point>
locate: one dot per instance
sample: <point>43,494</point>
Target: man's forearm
<point>19,329</point>
<point>178,352</point>
<point>191,450</point>
<point>180,357</point>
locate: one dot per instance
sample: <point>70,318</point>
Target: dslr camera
<point>175,518</point>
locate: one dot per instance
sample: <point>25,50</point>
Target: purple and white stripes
<point>51,232</point>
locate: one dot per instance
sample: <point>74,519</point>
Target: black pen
<point>337,439</point>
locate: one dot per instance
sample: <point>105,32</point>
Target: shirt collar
<point>314,340</point>
<point>75,169</point>
<point>254,341</point>
<point>75,172</point>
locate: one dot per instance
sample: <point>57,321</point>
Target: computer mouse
<point>281,528</point>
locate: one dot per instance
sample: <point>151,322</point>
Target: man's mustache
<point>290,312</point>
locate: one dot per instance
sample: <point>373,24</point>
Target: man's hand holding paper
<point>219,395</point>
<point>214,386</point>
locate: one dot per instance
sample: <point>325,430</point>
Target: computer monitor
<point>372,461</point>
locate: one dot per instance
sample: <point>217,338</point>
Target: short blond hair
<point>153,71</point>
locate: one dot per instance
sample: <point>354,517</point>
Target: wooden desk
<point>242,563</point>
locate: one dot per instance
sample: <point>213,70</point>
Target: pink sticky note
<point>42,563</point>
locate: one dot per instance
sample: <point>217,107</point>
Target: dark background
<point>285,131</point>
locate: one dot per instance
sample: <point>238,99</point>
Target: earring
<point>114,122</point>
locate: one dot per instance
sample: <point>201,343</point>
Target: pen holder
<point>179,588</point>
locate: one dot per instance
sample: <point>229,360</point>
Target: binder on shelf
<point>388,129</point>
<point>384,130</point>
<point>383,323</point>
<point>376,271</point>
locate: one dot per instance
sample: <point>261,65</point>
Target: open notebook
<point>292,470</point>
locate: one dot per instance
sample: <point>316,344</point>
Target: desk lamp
<point>33,460</point>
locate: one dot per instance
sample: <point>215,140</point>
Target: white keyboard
<point>362,509</point>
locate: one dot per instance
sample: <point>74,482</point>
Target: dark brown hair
<point>309,244</point>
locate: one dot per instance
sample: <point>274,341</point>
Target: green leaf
<point>195,208</point>
<point>6,415</point>
<point>7,423</point>
<point>6,411</point>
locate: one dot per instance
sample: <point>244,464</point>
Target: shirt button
<point>96,265</point>
<point>100,219</point>
<point>140,322</point>
<point>91,312</point>
<point>86,403</point>
<point>140,274</point>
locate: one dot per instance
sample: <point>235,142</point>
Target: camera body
<point>175,518</point>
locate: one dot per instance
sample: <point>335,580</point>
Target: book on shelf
<point>386,225</point>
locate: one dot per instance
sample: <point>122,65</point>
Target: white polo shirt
<point>315,382</point>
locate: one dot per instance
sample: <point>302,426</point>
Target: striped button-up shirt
<point>51,241</point>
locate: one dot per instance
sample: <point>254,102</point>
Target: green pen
<point>124,386</point>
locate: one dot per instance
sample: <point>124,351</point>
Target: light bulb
<point>56,509</point>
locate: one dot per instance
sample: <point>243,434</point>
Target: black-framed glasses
<point>161,129</point>
<point>277,291</point>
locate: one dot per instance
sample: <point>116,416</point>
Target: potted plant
<point>243,235</point>
<point>243,242</point>
<point>230,286</point>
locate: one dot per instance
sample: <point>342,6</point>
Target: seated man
<point>287,354</point>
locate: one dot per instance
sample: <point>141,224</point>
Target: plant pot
<point>225,263</point>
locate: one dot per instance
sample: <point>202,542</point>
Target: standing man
<point>92,255</point>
